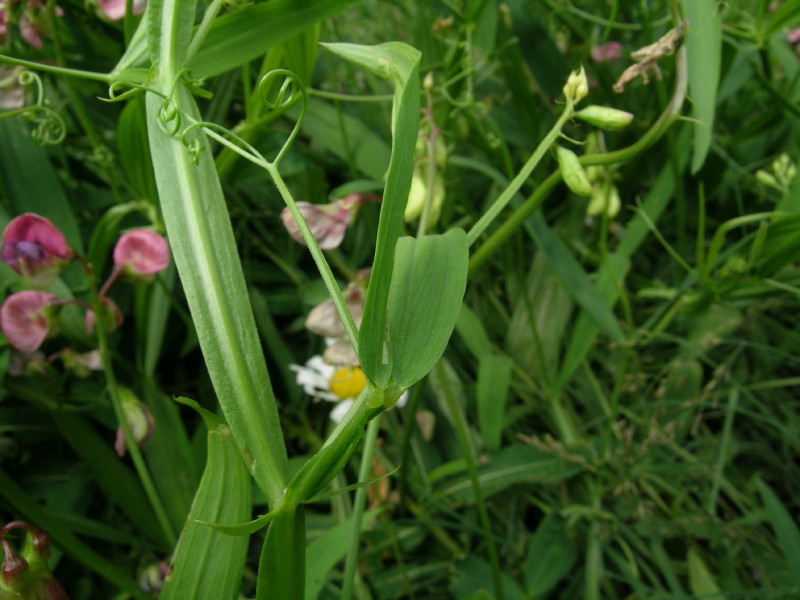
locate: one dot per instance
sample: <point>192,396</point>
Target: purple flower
<point>35,249</point>
<point>27,319</point>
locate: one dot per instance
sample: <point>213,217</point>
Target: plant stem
<point>358,510</point>
<point>460,424</point>
<point>504,198</point>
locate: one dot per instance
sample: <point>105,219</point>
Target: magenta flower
<point>327,222</point>
<point>114,10</point>
<point>607,52</point>
<point>28,318</point>
<point>140,254</point>
<point>35,249</point>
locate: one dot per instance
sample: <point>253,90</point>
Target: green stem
<point>130,442</point>
<point>319,259</point>
<point>504,198</point>
<point>358,510</point>
<point>507,229</point>
<point>35,66</point>
<point>460,424</point>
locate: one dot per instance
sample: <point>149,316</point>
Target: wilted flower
<point>26,363</point>
<point>138,418</point>
<point>12,94</point>
<point>608,52</point>
<point>82,364</point>
<point>140,254</point>
<point>35,249</point>
<point>27,318</point>
<point>114,10</point>
<point>324,318</point>
<point>327,222</point>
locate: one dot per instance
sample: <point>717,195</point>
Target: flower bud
<point>28,318</point>
<point>572,172</point>
<point>418,194</point>
<point>110,316</point>
<point>138,418</point>
<point>14,572</point>
<point>608,52</point>
<point>605,117</point>
<point>577,86</point>
<point>35,248</point>
<point>605,199</point>
<point>140,254</point>
<point>114,10</point>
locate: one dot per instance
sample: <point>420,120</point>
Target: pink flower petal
<point>141,252</point>
<point>23,319</point>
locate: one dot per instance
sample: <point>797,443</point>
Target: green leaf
<point>785,528</point>
<point>551,555</point>
<point>494,377</point>
<point>205,559</point>
<point>428,285</point>
<point>701,581</point>
<point>704,50</point>
<point>399,63</point>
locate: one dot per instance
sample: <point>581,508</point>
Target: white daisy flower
<point>339,384</point>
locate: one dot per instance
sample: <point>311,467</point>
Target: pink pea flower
<point>12,94</point>
<point>140,254</point>
<point>607,52</point>
<point>35,249</point>
<point>28,318</point>
<point>327,222</point>
<point>114,10</point>
<point>3,24</point>
<point>33,23</point>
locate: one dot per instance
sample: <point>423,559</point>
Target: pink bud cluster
<point>35,249</point>
<point>32,18</point>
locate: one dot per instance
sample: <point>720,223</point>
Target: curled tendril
<point>169,117</point>
<point>133,89</point>
<point>240,146</point>
<point>290,89</point>
<point>50,128</point>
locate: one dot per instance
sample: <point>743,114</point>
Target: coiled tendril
<point>290,91</point>
<point>50,128</point>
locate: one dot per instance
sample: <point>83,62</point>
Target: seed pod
<point>572,172</point>
<point>605,117</point>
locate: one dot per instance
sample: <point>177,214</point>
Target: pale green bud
<point>765,178</point>
<point>605,199</point>
<point>605,117</point>
<point>572,172</point>
<point>577,86</point>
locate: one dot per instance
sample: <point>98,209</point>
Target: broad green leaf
<point>428,284</point>
<point>494,377</point>
<point>205,253</point>
<point>205,559</point>
<point>704,49</point>
<point>400,64</point>
<point>701,581</point>
<point>785,528</point>
<point>551,555</point>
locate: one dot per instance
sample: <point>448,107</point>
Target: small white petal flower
<point>315,378</point>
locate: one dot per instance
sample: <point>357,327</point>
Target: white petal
<point>340,410</point>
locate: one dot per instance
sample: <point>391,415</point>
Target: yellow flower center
<point>347,382</point>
